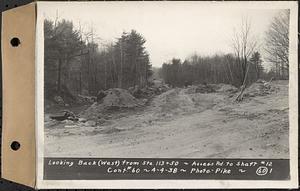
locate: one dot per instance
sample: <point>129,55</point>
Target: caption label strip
<point>145,168</point>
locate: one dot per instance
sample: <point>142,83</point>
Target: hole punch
<point>15,42</point>
<point>15,145</point>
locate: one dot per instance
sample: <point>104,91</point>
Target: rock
<point>86,99</point>
<point>70,126</point>
<point>68,122</point>
<point>59,100</point>
<point>82,120</point>
<point>261,81</point>
<point>90,123</point>
<point>101,121</point>
<point>100,95</point>
<point>47,118</point>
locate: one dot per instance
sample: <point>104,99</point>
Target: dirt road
<point>179,124</point>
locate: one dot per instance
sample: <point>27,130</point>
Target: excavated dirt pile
<point>174,101</point>
<point>201,88</point>
<point>115,99</point>
<point>119,98</point>
<point>182,101</point>
<point>148,91</point>
<point>211,88</point>
<point>259,88</point>
<point>227,88</point>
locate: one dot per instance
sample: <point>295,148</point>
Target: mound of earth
<point>173,101</point>
<point>259,88</point>
<point>119,98</point>
<point>208,88</point>
<point>148,91</point>
<point>115,98</point>
<point>227,88</point>
<point>191,89</point>
<point>181,101</point>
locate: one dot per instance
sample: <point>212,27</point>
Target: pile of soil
<point>148,91</point>
<point>174,101</point>
<point>201,88</point>
<point>259,88</point>
<point>191,89</point>
<point>115,99</point>
<point>119,98</point>
<point>227,88</point>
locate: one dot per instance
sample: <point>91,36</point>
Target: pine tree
<point>257,62</point>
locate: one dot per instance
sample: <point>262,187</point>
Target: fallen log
<point>67,115</point>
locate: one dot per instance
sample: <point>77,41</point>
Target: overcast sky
<point>172,29</point>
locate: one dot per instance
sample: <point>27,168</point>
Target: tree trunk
<point>257,70</point>
<point>105,75</point>
<point>80,82</point>
<point>230,72</point>
<point>243,87</point>
<point>121,63</point>
<point>58,88</point>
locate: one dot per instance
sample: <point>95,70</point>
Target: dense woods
<point>215,69</point>
<point>241,68</point>
<point>76,64</point>
<point>244,65</point>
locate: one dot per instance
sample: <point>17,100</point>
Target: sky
<point>171,29</point>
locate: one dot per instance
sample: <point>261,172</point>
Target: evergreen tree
<point>76,64</point>
<point>257,62</point>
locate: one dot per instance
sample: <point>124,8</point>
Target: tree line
<point>214,69</point>
<point>277,44</point>
<point>75,64</point>
<point>244,65</point>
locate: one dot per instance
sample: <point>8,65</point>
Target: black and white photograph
<point>176,82</point>
<point>168,80</point>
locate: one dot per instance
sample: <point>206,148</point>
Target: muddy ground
<point>180,124</point>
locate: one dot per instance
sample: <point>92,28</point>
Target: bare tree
<point>277,43</point>
<point>244,44</point>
